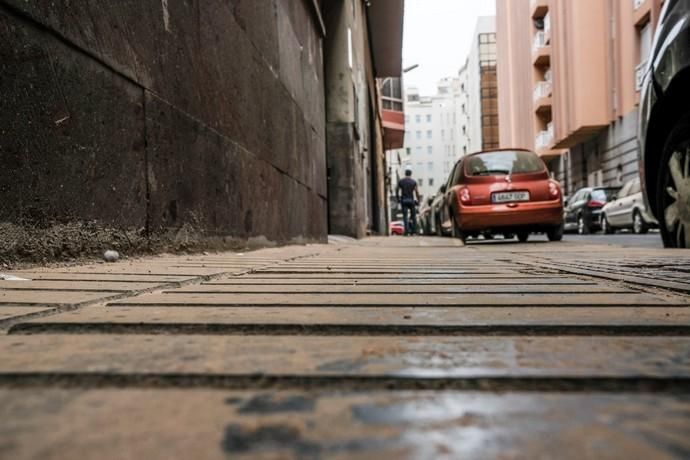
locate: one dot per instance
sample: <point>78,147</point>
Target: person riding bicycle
<point>408,201</point>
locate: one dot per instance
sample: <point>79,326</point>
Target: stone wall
<point>155,124</point>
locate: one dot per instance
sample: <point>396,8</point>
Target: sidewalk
<point>384,348</point>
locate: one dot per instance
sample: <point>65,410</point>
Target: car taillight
<point>595,204</point>
<point>554,190</point>
<point>464,195</point>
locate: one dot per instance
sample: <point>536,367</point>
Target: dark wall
<point>154,123</point>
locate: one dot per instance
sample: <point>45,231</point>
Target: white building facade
<point>433,136</point>
<point>461,118</point>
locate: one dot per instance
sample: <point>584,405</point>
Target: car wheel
<point>582,227</point>
<point>555,233</point>
<point>640,227</point>
<point>456,231</point>
<point>523,236</point>
<point>606,227</point>
<point>673,188</point>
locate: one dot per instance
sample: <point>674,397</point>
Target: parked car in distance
<point>583,211</point>
<point>397,228</point>
<point>436,205</point>
<point>424,218</point>
<point>627,210</point>
<point>505,192</point>
<point>664,131</point>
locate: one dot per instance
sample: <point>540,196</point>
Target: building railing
<point>542,89</point>
<point>539,41</point>
<point>640,72</point>
<point>545,138</point>
<point>638,3</point>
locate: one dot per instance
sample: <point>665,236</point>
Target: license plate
<point>509,197</point>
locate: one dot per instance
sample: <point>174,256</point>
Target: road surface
<point>383,348</point>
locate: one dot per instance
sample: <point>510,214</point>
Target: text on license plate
<point>509,197</point>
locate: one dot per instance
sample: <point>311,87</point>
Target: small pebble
<point>111,256</point>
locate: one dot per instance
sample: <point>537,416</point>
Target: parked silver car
<point>627,210</point>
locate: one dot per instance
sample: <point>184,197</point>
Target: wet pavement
<point>383,348</point>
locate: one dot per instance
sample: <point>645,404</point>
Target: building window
<point>407,118</point>
<point>431,182</point>
<point>429,134</point>
<point>408,151</point>
<point>430,150</point>
<point>420,182</point>
<point>419,134</point>
<point>443,134</point>
<point>418,150</point>
<point>430,166</point>
<point>418,118</point>
<point>428,118</point>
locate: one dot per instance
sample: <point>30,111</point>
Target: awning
<point>386,30</point>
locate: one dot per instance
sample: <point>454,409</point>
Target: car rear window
<point>503,163</point>
<point>603,194</point>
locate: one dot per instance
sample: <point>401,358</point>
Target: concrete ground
<point>383,348</point>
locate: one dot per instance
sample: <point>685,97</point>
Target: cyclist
<point>408,201</point>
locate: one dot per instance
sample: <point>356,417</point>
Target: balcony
<point>541,50</point>
<point>544,139</point>
<point>539,8</point>
<point>542,97</point>
<point>642,12</point>
<point>542,90</point>
<point>392,112</point>
<point>640,73</point>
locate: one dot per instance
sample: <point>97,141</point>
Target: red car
<point>502,191</point>
<point>397,228</point>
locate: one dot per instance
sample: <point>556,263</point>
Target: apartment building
<point>568,78</point>
<point>430,138</point>
<point>482,87</point>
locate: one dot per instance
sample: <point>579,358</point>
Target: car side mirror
<point>614,197</point>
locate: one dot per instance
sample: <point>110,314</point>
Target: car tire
<point>523,237</point>
<point>456,231</point>
<point>674,211</point>
<point>582,227</point>
<point>605,226</point>
<point>439,228</point>
<point>640,227</point>
<point>555,233</point>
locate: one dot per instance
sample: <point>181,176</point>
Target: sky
<point>438,34</point>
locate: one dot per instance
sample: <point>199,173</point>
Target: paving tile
<point>396,299</point>
<point>13,313</point>
<point>416,358</point>
<point>28,298</point>
<point>217,424</point>
<point>356,288</point>
<point>84,286</point>
<point>371,320</point>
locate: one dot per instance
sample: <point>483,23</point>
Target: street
<point>380,348</point>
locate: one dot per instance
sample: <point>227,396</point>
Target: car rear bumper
<point>541,214</point>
